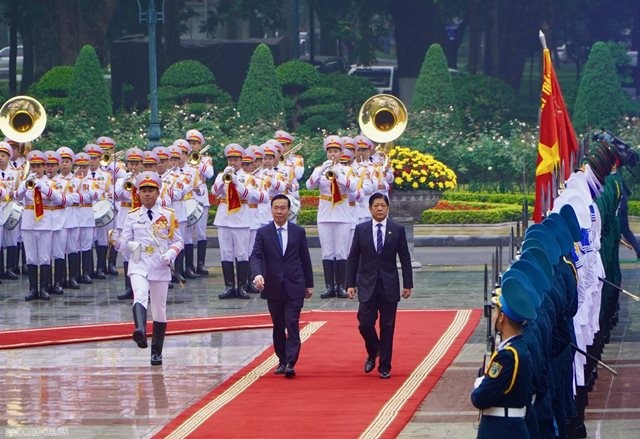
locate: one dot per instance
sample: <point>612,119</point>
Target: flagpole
<point>543,40</point>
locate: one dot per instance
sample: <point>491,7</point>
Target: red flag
<point>38,208</point>
<point>135,198</point>
<point>233,199</point>
<point>557,144</point>
<point>336,196</point>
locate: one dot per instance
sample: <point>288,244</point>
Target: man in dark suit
<point>284,276</point>
<point>371,267</point>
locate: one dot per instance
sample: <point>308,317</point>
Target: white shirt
<point>375,231</point>
<point>285,235</point>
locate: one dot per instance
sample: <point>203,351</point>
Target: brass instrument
<point>106,158</point>
<point>128,185</point>
<point>30,184</point>
<point>22,119</point>
<point>196,156</point>
<point>383,118</point>
<point>292,151</point>
<point>227,177</point>
<point>330,174</point>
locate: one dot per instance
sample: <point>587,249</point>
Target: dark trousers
<point>285,314</point>
<point>367,316</point>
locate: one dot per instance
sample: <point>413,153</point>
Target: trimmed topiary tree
<point>434,90</point>
<point>52,88</point>
<point>601,101</point>
<point>261,97</point>
<point>89,96</point>
<point>483,99</point>
<point>190,81</point>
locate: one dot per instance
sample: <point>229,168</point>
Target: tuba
<point>383,118</point>
<point>22,119</point>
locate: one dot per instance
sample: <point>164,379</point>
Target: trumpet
<point>128,185</point>
<point>196,156</point>
<point>227,177</point>
<point>30,184</point>
<point>106,158</point>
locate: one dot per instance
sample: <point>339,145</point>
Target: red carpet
<point>331,396</point>
<point>24,338</point>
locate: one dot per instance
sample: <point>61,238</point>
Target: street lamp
<point>152,16</point>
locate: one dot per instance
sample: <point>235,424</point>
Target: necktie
<point>150,213</point>
<point>93,174</point>
<point>3,175</point>
<point>379,238</point>
<point>280,238</point>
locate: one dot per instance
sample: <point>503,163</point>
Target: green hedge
<point>486,197</point>
<point>487,216</point>
<point>634,208</point>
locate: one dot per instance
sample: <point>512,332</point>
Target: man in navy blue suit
<point>284,276</point>
<point>371,266</point>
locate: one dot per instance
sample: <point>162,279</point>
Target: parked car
<point>4,61</point>
<point>383,78</point>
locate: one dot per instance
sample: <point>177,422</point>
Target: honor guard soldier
<point>205,173</point>
<point>38,197</point>
<point>151,239</point>
<point>127,195</point>
<point>334,215</point>
<point>58,219</point>
<point>101,182</point>
<point>233,222</point>
<point>87,194</point>
<point>506,387</point>
<point>70,182</point>
<point>8,183</point>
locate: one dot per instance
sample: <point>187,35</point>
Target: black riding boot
<point>23,258</point>
<point>179,268</point>
<point>327,268</point>
<point>101,265</point>
<point>45,282</point>
<point>189,269</point>
<point>33,283</point>
<point>227,274</point>
<point>242,268</point>
<point>341,277</point>
<point>157,340</point>
<point>140,321</point>
<point>202,255</point>
<point>3,273</point>
<point>128,291</point>
<point>12,263</point>
<point>58,276</point>
<point>87,266</point>
<point>74,270</point>
<point>113,257</point>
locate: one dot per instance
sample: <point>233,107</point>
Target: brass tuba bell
<point>383,118</point>
<point>22,119</point>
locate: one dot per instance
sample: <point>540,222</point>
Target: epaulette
<point>169,208</point>
<point>134,210</point>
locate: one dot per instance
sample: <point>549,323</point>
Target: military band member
<point>365,171</point>
<point>359,195</point>
<point>86,222</point>
<point>70,181</point>
<point>38,196</point>
<point>205,173</point>
<point>506,388</point>
<point>102,182</point>
<point>334,219</point>
<point>13,238</point>
<point>117,169</point>
<point>8,183</point>
<point>256,182</point>
<point>233,222</point>
<point>127,195</point>
<point>151,239</point>
<point>58,218</point>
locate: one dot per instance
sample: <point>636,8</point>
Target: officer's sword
<point>588,355</point>
<point>633,296</point>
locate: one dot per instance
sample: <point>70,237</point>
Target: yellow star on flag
<point>550,158</point>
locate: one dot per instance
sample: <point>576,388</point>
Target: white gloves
<point>166,257</point>
<point>477,382</point>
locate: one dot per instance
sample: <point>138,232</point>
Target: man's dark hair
<point>282,197</point>
<point>376,196</point>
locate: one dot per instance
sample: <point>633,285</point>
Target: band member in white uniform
<point>233,222</point>
<point>295,162</point>
<point>71,183</point>
<point>151,238</point>
<point>86,222</point>
<point>127,195</point>
<point>205,170</point>
<point>14,237</point>
<point>8,184</point>
<point>334,220</point>
<point>36,225</point>
<point>58,219</point>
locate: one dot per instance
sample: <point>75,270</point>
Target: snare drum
<point>295,208</point>
<point>194,210</point>
<point>11,214</point>
<point>103,213</point>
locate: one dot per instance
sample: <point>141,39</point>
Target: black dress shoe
<point>201,270</point>
<point>178,278</point>
<point>44,295</point>
<point>98,275</point>
<point>112,270</point>
<point>85,279</point>
<point>9,274</point>
<point>32,295</point>
<point>369,365</point>
<point>127,295</point>
<point>289,372</point>
<point>189,273</point>
<point>385,375</point>
<point>229,293</point>
<point>242,294</point>
<point>280,369</point>
<point>73,284</point>
<point>57,289</point>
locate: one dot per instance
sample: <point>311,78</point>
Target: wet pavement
<point>109,390</point>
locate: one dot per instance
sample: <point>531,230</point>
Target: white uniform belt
<point>505,412</point>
